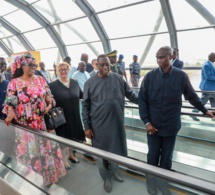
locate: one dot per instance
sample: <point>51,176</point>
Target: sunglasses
<point>32,65</point>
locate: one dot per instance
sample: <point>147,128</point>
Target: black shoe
<point>74,160</point>
<point>117,177</point>
<point>151,184</point>
<point>107,185</point>
<point>89,158</point>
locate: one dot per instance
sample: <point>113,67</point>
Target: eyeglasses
<point>160,57</point>
<point>63,70</point>
<point>104,64</point>
<point>32,65</point>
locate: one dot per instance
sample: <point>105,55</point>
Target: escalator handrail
<point>198,184</point>
<point>182,113</point>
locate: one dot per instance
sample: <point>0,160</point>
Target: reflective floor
<point>82,179</point>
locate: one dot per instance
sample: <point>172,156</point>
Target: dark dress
<point>68,99</point>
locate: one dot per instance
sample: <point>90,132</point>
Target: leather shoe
<point>74,160</point>
<point>107,185</point>
<point>117,177</point>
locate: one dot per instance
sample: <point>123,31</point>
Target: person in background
<point>207,82</point>
<point>45,73</point>
<point>3,89</point>
<point>175,59</point>
<point>81,75</point>
<point>103,116</point>
<point>121,67</point>
<point>113,57</point>
<point>54,76</point>
<point>84,58</point>
<point>160,101</point>
<point>67,59</point>
<point>3,67</point>
<point>28,99</point>
<point>134,68</point>
<point>95,66</point>
<point>67,93</point>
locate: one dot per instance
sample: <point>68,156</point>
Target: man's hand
<point>151,129</point>
<point>210,114</point>
<point>89,134</point>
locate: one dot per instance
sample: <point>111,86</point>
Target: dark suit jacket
<point>7,76</point>
<point>37,72</point>
<point>178,64</point>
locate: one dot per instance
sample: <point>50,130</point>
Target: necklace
<point>65,83</point>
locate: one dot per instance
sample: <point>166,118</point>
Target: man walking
<point>103,116</point>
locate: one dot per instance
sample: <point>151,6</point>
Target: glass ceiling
<point>141,27</point>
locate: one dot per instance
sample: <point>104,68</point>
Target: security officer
<point>113,57</point>
<point>134,68</point>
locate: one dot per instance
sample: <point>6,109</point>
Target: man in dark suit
<point>175,61</point>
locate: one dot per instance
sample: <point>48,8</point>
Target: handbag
<point>55,118</point>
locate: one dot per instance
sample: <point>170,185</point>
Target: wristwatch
<point>147,124</point>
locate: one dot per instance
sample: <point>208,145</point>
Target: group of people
<point>29,97</point>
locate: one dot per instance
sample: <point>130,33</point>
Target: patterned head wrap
<point>24,59</point>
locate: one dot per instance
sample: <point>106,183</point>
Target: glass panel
<point>129,47</point>
<point>209,5</point>
<point>58,10</point>
<point>31,1</point>
<point>76,51</point>
<point>2,53</point>
<point>190,17</point>
<point>49,57</point>
<point>75,32</point>
<point>22,21</point>
<point>197,56</point>
<point>14,44</point>
<point>132,15</point>
<point>7,8</point>
<point>4,32</point>
<point>105,5</point>
<point>40,39</point>
<point>26,154</point>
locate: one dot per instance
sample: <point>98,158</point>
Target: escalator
<point>84,178</point>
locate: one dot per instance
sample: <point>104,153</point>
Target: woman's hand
<point>47,109</point>
<point>10,116</point>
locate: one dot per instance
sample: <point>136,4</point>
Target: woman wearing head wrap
<point>28,99</point>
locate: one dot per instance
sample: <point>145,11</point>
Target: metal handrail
<point>197,91</point>
<point>198,184</point>
<point>182,113</point>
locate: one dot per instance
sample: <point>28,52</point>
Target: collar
<point>211,62</point>
<point>169,73</point>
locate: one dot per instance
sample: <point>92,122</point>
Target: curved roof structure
<point>58,28</point>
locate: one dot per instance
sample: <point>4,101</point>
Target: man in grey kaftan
<point>103,113</point>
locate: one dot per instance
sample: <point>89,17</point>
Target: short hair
<point>61,64</point>
<point>168,49</point>
<point>176,49</point>
<point>102,56</point>
<point>67,59</point>
<point>93,60</point>
<point>81,62</point>
<point>211,56</point>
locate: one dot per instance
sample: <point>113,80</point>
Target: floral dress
<point>29,102</point>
